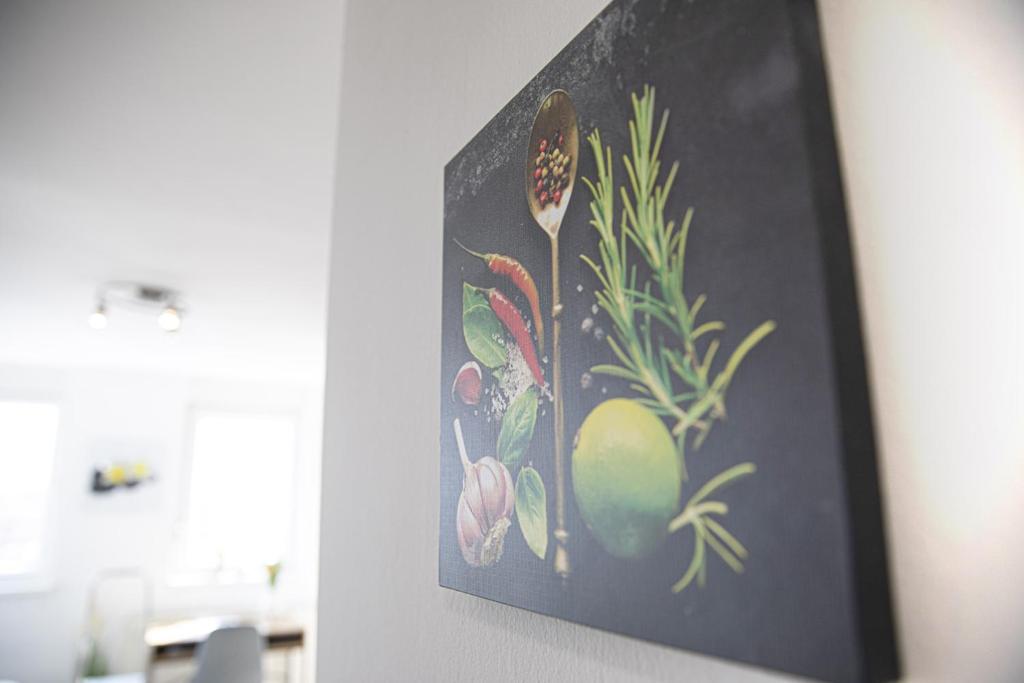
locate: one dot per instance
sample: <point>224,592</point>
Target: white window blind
<point>240,494</point>
<point>28,438</point>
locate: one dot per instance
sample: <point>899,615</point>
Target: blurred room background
<point>165,200</point>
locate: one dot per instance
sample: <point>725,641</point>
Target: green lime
<point>626,477</point>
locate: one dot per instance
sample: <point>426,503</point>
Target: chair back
<point>230,655</point>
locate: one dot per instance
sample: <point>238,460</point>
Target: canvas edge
<point>442,581</point>
<point>875,618</point>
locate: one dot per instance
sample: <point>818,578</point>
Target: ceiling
<point>187,144</point>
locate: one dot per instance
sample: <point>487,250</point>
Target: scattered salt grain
<point>515,380</point>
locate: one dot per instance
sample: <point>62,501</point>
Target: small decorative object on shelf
<point>120,475</point>
<point>273,571</point>
<point>269,606</point>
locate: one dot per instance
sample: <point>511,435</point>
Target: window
<point>239,510</point>
<point>28,439</point>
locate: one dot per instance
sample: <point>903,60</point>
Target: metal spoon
<point>556,113</point>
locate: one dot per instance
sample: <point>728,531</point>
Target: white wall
<point>100,409</point>
<point>930,108</point>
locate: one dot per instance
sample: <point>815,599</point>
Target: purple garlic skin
<point>485,508</point>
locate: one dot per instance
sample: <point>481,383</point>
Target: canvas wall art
<point>655,416</point>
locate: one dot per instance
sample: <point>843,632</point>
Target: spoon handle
<point>561,535</point>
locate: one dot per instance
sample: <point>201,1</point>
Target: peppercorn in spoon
<point>550,176</point>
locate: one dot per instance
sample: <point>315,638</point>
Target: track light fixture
<point>140,299</point>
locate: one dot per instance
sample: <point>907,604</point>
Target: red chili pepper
<point>520,277</point>
<point>508,314</point>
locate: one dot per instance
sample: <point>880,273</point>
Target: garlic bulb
<point>485,507</point>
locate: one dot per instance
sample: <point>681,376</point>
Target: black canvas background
<point>732,76</point>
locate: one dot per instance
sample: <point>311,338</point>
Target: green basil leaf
<point>482,329</point>
<point>532,510</point>
<point>517,429</point>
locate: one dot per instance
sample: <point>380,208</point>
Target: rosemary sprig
<point>674,380</point>
<point>662,245</point>
<point>707,531</point>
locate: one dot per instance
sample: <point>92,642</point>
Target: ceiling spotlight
<point>163,302</point>
<point>169,319</point>
<point>98,318</point>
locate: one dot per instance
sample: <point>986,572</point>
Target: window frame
<point>178,573</point>
<point>42,578</point>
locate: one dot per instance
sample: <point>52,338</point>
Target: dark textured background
<point>730,74</point>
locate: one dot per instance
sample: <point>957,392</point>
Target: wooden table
<point>178,639</point>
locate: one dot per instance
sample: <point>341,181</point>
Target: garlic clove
<point>474,496</point>
<point>468,384</point>
<point>492,489</point>
<point>471,535</point>
<point>500,488</point>
<point>510,492</point>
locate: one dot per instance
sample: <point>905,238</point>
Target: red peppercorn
<point>540,186</point>
<point>543,145</point>
<point>536,174</point>
<point>543,198</point>
<point>560,139</point>
<point>557,197</point>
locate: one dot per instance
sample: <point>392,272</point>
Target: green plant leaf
<point>482,329</point>
<point>532,510</point>
<point>517,429</point>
